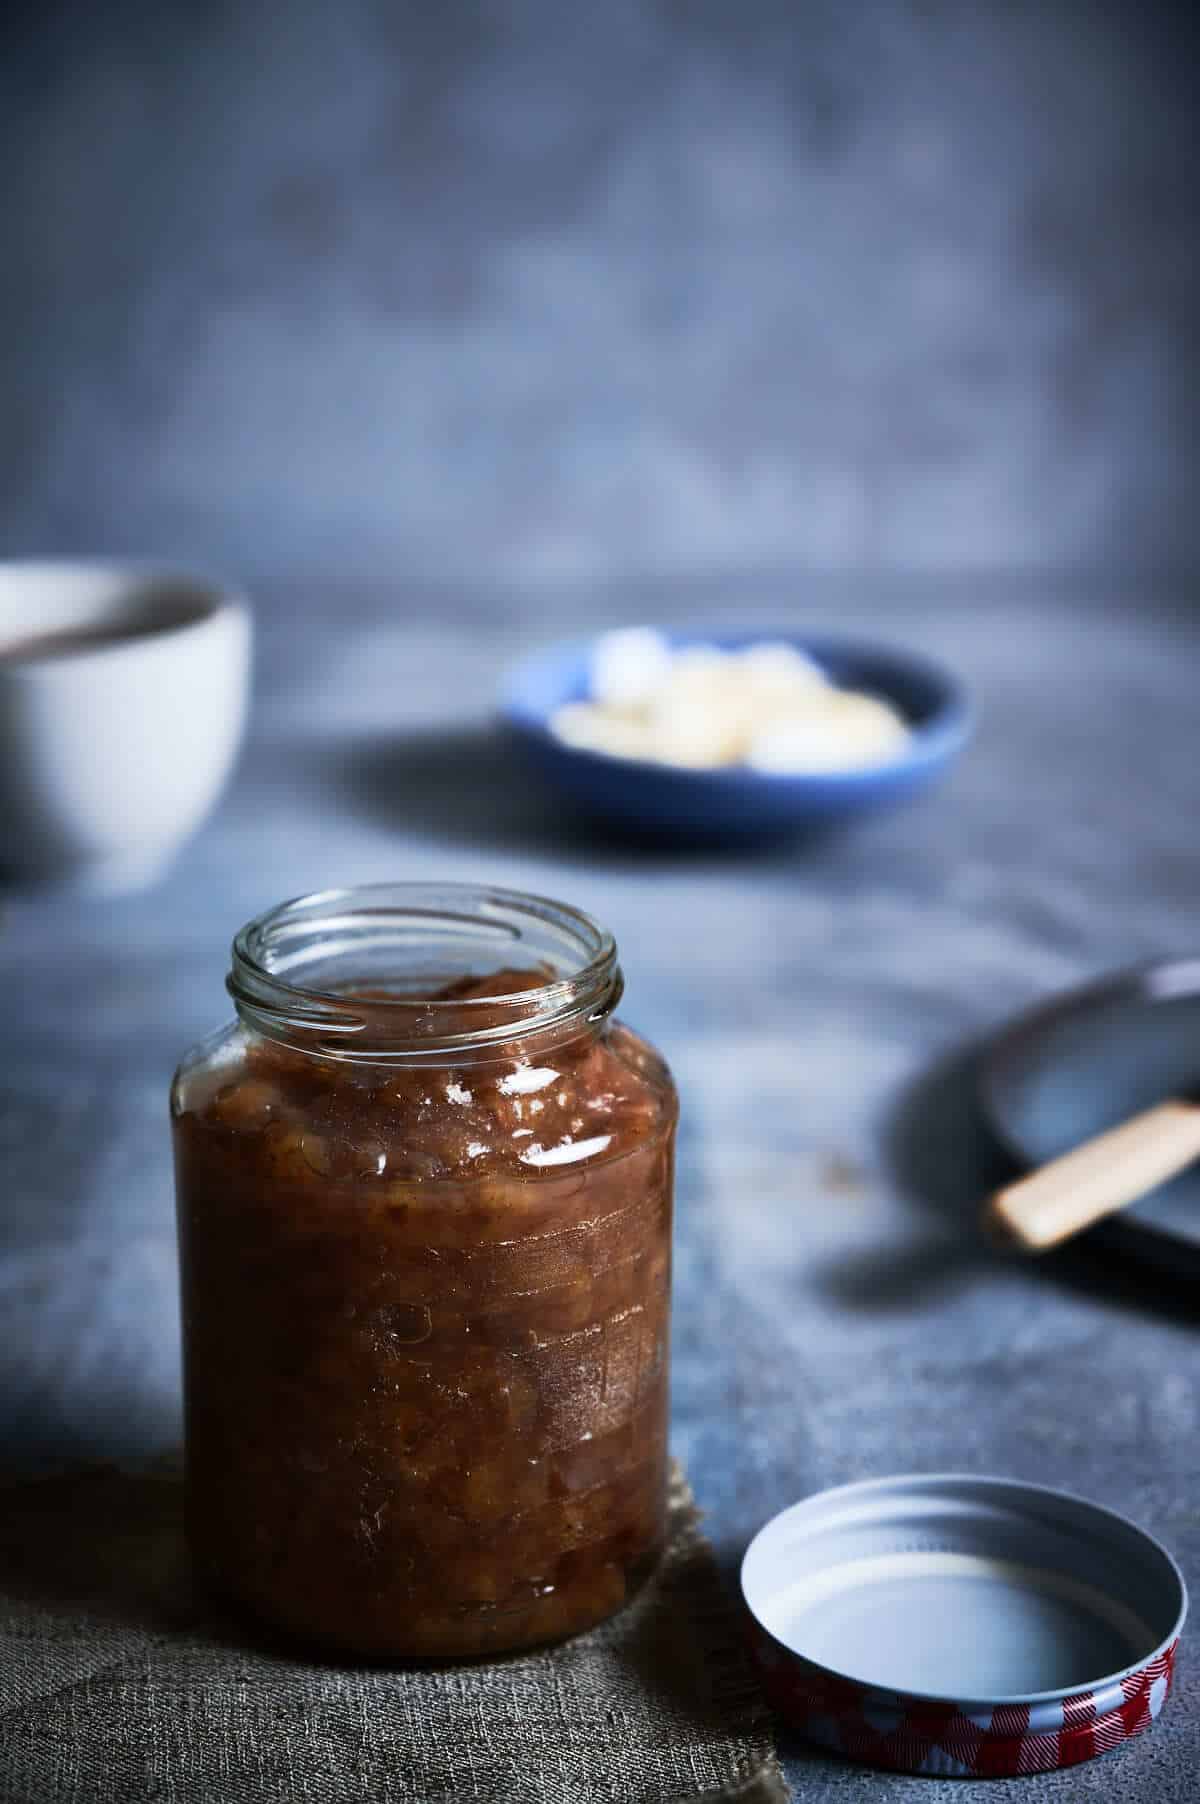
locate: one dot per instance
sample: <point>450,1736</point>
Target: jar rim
<point>353,929</point>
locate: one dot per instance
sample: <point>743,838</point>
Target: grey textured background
<point>555,291</point>
<point>454,323</point>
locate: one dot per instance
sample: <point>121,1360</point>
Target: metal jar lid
<point>959,1625</point>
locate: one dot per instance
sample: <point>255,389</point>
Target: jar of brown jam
<point>424,1188</point>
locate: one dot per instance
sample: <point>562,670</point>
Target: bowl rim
<point>930,742</point>
<point>214,599</point>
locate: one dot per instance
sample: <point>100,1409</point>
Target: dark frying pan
<point>1090,1059</point>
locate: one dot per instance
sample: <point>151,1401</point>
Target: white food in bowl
<point>628,666</point>
<point>849,731</point>
<point>766,707</point>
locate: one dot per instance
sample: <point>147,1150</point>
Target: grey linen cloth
<point>119,1685</point>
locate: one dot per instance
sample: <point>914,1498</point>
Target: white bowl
<point>115,741</point>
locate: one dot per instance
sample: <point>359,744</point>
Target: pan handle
<point>1096,1179</point>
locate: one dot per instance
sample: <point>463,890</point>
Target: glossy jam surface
<point>425,1326</point>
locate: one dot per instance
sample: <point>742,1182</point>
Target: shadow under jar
<point>424,1191</point>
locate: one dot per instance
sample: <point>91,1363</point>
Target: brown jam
<point>425,1325</point>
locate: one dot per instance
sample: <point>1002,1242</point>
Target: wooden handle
<point>1097,1178</point>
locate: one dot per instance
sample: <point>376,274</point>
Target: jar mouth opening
<point>355,973</point>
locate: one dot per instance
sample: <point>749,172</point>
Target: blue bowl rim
<point>932,741</point>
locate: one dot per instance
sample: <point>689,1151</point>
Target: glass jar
<point>424,1190</point>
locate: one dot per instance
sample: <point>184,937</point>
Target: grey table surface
<point>835,1314</point>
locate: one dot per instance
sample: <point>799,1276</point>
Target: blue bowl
<point>736,803</point>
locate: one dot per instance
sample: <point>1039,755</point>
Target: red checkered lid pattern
<point>910,1735</point>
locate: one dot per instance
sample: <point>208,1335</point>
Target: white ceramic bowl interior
<point>123,693</point>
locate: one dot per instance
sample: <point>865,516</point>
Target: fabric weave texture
<point>119,1685</point>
